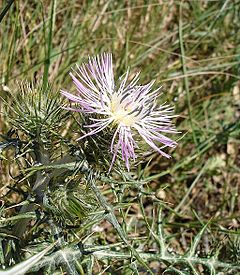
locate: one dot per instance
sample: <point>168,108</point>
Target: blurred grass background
<point>192,49</point>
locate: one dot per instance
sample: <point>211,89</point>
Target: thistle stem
<point>38,189</point>
<point>113,220</point>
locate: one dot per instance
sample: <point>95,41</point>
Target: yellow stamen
<point>120,113</point>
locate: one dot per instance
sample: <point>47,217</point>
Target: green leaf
<point>25,266</point>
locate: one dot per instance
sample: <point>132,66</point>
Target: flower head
<point>131,108</point>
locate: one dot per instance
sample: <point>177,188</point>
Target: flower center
<point>121,111</point>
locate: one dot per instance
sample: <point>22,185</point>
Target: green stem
<point>49,45</point>
<point>38,188</point>
<point>186,83</point>
<point>173,259</point>
<point>113,220</point>
<point>6,9</point>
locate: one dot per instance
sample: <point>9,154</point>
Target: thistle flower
<point>129,107</point>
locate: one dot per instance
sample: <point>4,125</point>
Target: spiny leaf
<point>25,266</point>
<point>196,241</point>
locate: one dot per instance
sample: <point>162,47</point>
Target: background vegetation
<point>192,49</point>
